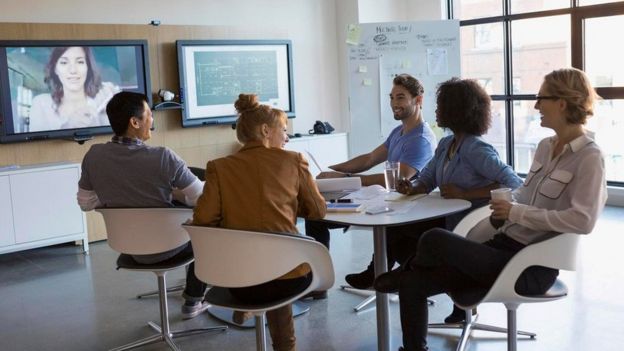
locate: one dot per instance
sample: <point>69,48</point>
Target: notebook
<point>343,207</point>
<point>335,188</point>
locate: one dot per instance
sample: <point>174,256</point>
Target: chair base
<point>471,324</point>
<point>174,288</point>
<point>167,338</point>
<point>371,297</point>
<point>225,314</point>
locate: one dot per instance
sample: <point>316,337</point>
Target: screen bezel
<point>77,134</point>
<point>189,109</point>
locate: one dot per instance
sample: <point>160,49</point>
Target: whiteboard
<point>376,52</point>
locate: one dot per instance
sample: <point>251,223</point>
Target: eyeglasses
<point>546,97</point>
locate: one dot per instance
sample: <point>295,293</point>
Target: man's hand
<point>500,209</point>
<point>452,191</point>
<point>329,174</point>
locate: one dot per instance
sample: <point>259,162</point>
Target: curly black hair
<point>463,106</point>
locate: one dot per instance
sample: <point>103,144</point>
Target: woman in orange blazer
<point>262,187</point>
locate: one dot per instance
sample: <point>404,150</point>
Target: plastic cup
<point>501,194</point>
<point>391,175</point>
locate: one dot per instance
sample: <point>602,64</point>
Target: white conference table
<point>428,207</point>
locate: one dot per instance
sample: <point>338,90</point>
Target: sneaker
<point>240,317</point>
<point>193,310</point>
<point>362,280</point>
<point>458,315</point>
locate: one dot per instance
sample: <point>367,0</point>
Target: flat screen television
<point>53,89</point>
<point>214,72</point>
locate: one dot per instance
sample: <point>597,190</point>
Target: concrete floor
<point>55,298</point>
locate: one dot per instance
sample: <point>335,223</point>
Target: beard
<point>405,113</point>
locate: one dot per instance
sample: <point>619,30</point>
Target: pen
<point>341,201</point>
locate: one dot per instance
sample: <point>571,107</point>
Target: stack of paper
<point>343,207</point>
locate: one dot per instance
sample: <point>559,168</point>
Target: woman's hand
<point>330,174</point>
<point>500,209</point>
<point>452,191</point>
<point>404,186</point>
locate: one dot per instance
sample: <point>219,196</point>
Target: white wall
<point>311,25</point>
<point>371,11</point>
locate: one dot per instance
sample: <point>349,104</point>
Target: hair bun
<point>246,102</point>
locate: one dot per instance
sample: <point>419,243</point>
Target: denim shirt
<point>476,164</point>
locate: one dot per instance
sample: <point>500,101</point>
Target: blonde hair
<point>573,86</point>
<point>252,115</point>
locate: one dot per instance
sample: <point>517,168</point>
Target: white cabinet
<point>327,149</point>
<point>6,214</point>
<point>38,207</point>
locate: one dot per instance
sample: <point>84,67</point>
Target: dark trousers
<point>272,290</point>
<point>195,289</point>
<point>401,240</point>
<point>445,263</point>
<point>319,230</point>
<point>281,324</point>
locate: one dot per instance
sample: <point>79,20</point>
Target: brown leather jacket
<point>262,189</point>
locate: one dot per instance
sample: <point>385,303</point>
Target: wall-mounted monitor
<point>59,89</point>
<point>214,72</point>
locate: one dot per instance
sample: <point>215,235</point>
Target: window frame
<point>577,15</point>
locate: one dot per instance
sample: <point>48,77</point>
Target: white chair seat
<point>227,258</point>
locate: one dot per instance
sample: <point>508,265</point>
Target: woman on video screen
<point>77,97</point>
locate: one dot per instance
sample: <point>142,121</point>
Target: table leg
<point>381,266</point>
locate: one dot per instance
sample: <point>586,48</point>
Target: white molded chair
<point>142,231</point>
<point>558,252</point>
<point>226,258</point>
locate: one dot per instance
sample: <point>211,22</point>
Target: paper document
<point>366,193</point>
<point>394,196</point>
<point>337,188</point>
<point>339,184</point>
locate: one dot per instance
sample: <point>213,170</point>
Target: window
<point>509,45</point>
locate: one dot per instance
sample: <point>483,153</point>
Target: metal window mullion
<point>508,78</point>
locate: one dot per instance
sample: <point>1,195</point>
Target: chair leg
<point>511,328</point>
<point>164,333</point>
<point>365,303</point>
<point>260,332</point>
<point>174,288</point>
<point>471,324</point>
<point>371,297</point>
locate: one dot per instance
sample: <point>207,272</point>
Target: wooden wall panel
<point>195,145</point>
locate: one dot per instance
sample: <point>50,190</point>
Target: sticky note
<point>353,34</point>
<point>362,69</point>
<point>367,82</point>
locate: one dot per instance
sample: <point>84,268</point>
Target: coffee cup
<point>501,194</point>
